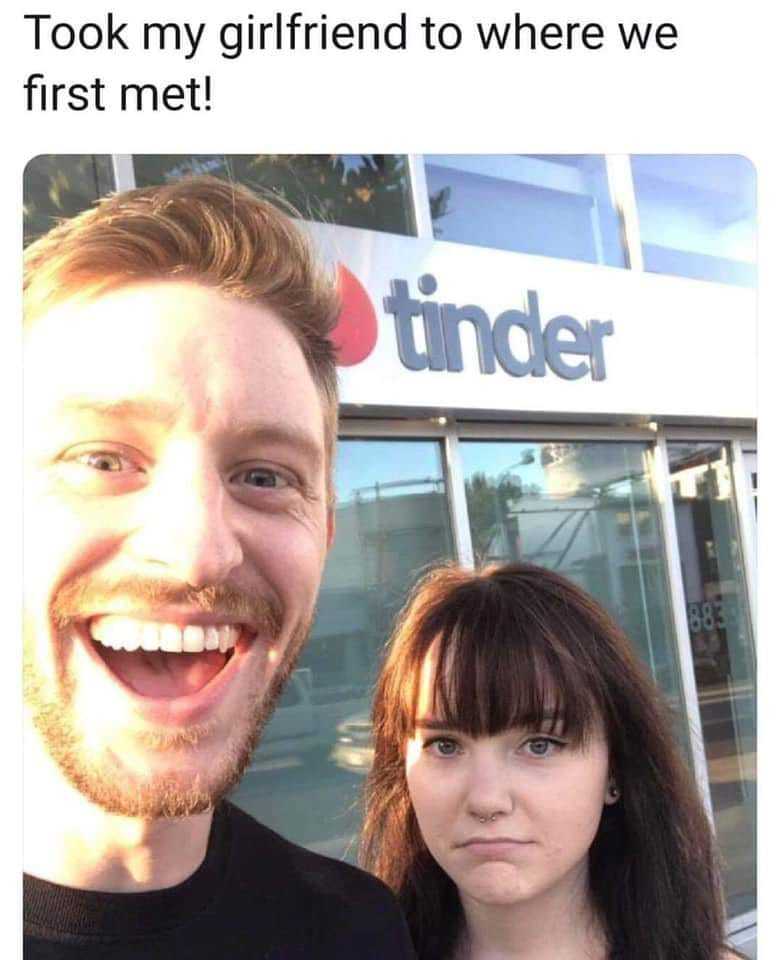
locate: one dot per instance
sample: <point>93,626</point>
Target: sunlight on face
<point>509,817</point>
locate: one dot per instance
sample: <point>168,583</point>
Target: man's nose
<point>185,527</point>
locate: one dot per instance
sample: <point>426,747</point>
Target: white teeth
<point>132,636</point>
<point>170,638</point>
<point>125,633</point>
<point>150,636</point>
<point>193,639</point>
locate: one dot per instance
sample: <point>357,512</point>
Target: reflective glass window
<point>586,510</point>
<point>354,190</point>
<point>697,216</point>
<point>392,521</point>
<point>723,653</point>
<point>751,468</point>
<point>57,186</point>
<point>553,205</point>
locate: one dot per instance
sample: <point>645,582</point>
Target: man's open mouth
<point>163,660</point>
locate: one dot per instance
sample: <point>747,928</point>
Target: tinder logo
<point>355,333</point>
<point>516,340</point>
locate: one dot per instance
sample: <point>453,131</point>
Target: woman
<point>527,798</point>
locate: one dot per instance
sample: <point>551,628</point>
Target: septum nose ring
<point>490,819</point>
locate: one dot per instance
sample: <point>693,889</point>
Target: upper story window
<point>355,190</point>
<point>552,205</point>
<point>58,186</point>
<point>697,216</point>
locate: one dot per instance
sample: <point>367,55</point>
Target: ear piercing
<point>613,792</point>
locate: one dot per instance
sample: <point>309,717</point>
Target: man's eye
<point>102,471</point>
<point>262,477</point>
<point>104,460</point>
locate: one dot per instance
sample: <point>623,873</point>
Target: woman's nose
<point>490,794</point>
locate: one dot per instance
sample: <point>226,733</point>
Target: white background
<point>715,94</point>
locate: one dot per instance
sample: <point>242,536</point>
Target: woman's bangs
<point>493,673</point>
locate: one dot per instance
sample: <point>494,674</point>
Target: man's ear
<point>331,527</point>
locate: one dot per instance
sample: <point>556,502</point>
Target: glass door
<point>723,653</point>
<point>588,510</point>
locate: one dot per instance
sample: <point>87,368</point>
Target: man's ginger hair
<point>203,230</point>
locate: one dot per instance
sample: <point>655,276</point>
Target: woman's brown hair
<point>513,641</point>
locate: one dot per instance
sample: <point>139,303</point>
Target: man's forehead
<point>165,320</point>
<point>159,352</point>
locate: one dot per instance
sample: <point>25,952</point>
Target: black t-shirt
<point>254,896</point>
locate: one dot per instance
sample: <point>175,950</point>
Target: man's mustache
<point>87,595</point>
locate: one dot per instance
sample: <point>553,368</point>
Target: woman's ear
<point>612,793</point>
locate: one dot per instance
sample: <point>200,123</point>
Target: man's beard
<point>103,779</point>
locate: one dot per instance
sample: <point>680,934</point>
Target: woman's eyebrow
<point>551,715</point>
<point>434,723</point>
<point>431,723</point>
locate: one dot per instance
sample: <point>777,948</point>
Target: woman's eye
<point>443,747</point>
<point>542,746</point>
<point>263,478</point>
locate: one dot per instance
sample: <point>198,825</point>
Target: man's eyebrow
<point>283,434</point>
<point>137,409</point>
<point>166,414</point>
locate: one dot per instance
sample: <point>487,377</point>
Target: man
<point>180,420</point>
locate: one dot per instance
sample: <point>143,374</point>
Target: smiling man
<point>180,418</point>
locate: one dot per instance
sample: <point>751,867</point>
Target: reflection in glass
<point>697,216</point>
<point>58,186</point>
<point>751,467</point>
<point>722,646</point>
<point>587,511</point>
<point>355,190</point>
<point>392,521</point>
<point>554,205</point>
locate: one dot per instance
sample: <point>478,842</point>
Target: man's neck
<point>71,841</point>
<point>558,925</point>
